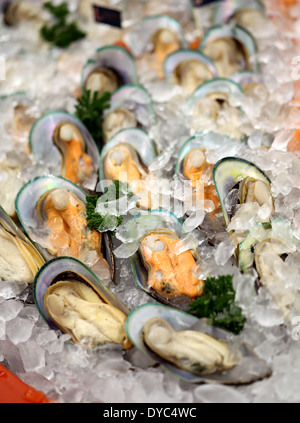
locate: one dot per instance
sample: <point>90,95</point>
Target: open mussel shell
<point>114,58</point>
<point>239,34</point>
<point>184,55</point>
<point>65,268</point>
<point>14,11</point>
<point>202,141</point>
<point>229,172</point>
<point>138,140</point>
<point>135,99</point>
<point>29,197</point>
<point>218,86</point>
<point>46,150</point>
<point>27,208</point>
<point>246,249</point>
<point>227,9</point>
<point>160,221</point>
<point>31,255</point>
<point>146,30</point>
<point>249,369</point>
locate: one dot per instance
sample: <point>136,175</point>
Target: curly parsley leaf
<point>61,33</point>
<point>113,192</point>
<point>90,108</point>
<point>60,12</point>
<point>218,304</point>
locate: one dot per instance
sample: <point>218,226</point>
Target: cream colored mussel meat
<point>191,73</point>
<point>254,191</point>
<point>116,121</point>
<point>266,254</point>
<point>22,10</point>
<point>19,261</point>
<point>102,80</point>
<point>189,350</point>
<point>250,19</point>
<point>271,267</point>
<point>79,311</point>
<point>227,54</point>
<point>214,111</point>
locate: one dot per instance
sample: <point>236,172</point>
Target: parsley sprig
<point>90,108</point>
<point>62,33</point>
<point>218,304</point>
<point>101,223</point>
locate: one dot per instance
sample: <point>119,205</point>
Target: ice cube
<point>255,140</point>
<point>224,252</point>
<point>33,356</point>
<point>19,330</point>
<point>11,289</point>
<point>10,309</point>
<point>218,394</point>
<point>194,221</point>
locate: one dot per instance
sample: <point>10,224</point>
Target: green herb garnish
<point>218,304</point>
<point>61,33</point>
<point>89,110</point>
<point>60,12</point>
<point>113,192</point>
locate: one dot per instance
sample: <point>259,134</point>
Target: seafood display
<point>149,199</point>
